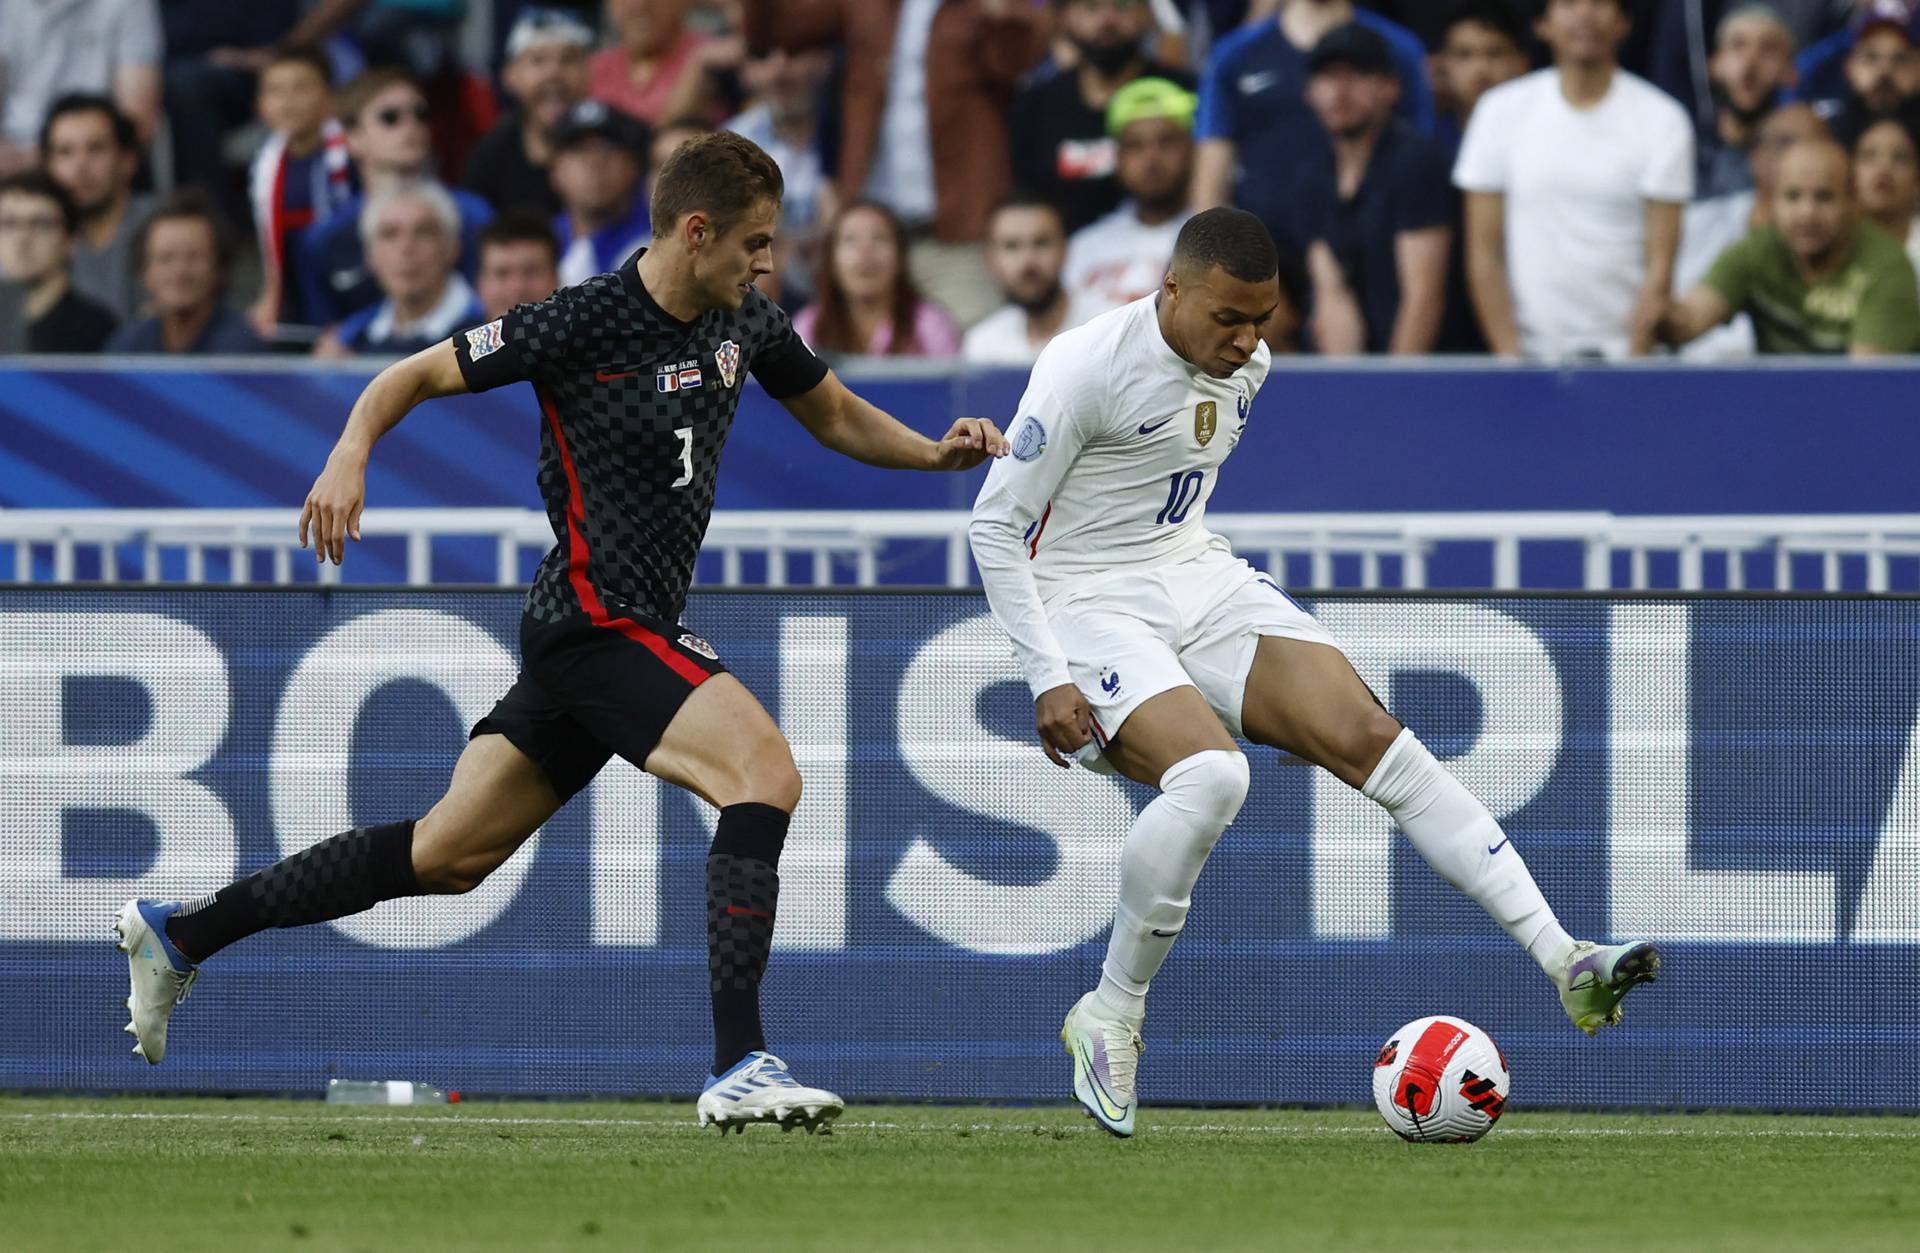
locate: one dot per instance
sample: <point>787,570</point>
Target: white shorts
<point>1195,623</point>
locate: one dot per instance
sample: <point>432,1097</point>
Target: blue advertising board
<point>1738,779</point>
<point>1800,438</point>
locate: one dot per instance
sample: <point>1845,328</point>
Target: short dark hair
<point>1022,199</point>
<point>1541,7</point>
<point>311,55</point>
<point>188,204</point>
<point>721,174</point>
<point>1499,15</point>
<point>518,226</point>
<point>1232,239</point>
<point>86,102</point>
<point>359,91</point>
<point>40,183</point>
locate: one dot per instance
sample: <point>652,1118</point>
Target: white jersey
<point>1117,447</point>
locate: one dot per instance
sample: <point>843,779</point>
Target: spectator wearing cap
<point>1026,252</point>
<point>658,68</point>
<point>546,74</point>
<point>923,109</point>
<point>787,91</point>
<point>1061,149</point>
<point>1254,118</point>
<point>37,224</point>
<point>1125,254</point>
<point>1751,67</point>
<point>519,262</point>
<point>1380,216</point>
<point>1481,45</point>
<point>183,255</point>
<point>385,113</point>
<point>1575,178</point>
<point>90,148</point>
<point>300,176</point>
<point>1818,279</point>
<point>1886,180</point>
<point>599,170</point>
<point>412,237</point>
<point>1867,70</point>
<point>48,50</point>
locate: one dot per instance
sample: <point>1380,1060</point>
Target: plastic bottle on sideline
<point>385,1092</point>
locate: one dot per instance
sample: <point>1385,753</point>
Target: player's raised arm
<point>846,423</point>
<point>338,495</point>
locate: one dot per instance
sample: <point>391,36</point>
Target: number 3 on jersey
<point>686,456</point>
<point>1183,488</point>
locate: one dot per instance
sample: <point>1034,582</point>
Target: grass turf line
<point>260,1174</point>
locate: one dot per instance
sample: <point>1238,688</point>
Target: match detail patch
<point>485,340</point>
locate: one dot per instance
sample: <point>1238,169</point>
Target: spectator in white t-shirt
<point>1123,256</point>
<point>1026,247</point>
<point>1575,179</point>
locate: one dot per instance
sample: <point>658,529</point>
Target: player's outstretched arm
<point>844,422</point>
<point>334,503</point>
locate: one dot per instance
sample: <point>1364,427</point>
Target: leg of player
<point>1304,698</point>
<point>1174,742</point>
<point>723,747</point>
<point>497,798</point>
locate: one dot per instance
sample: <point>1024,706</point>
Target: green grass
<point>132,1175</point>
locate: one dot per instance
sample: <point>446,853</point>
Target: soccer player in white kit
<point>1149,646</point>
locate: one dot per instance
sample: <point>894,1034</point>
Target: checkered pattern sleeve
<point>527,342</point>
<point>781,360</point>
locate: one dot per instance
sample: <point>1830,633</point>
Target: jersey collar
<point>630,279</point>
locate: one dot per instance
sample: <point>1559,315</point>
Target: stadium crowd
<point>966,178</point>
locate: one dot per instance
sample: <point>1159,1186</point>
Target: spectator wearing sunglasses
<point>385,113</point>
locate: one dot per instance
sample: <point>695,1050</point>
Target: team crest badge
<point>694,644</point>
<point>727,357</point>
<point>1206,419</point>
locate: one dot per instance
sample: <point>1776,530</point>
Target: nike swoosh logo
<point>1113,1110</point>
<point>1251,83</point>
<point>1157,931</point>
<point>601,376</point>
<point>1497,847</point>
<point>1148,430</point>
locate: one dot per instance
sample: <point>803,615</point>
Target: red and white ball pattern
<point>1440,1080</point>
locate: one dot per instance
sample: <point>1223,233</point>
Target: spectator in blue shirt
<point>385,113</point>
<point>1257,136</point>
<point>411,234</point>
<point>599,170</point>
<point>183,255</point>
<point>1380,216</point>
<point>1482,44</point>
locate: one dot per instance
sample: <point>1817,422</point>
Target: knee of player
<point>1215,782</point>
<point>771,778</point>
<point>452,875</point>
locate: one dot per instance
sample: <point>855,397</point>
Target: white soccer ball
<point>1440,1080</point>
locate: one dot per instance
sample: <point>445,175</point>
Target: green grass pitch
<point>147,1174</point>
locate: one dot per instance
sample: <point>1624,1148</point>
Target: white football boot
<point>159,975</point>
<point>760,1088</point>
<point>1106,1056</point>
<point>1597,976</point>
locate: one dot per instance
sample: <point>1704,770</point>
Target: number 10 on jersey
<point>1183,488</point>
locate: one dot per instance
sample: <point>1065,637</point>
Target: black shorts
<point>586,692</point>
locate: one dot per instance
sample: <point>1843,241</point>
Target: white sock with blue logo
<point>1462,842</point>
<point>1159,864</point>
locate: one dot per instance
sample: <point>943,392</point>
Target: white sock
<point>1159,865</point>
<point>1461,841</point>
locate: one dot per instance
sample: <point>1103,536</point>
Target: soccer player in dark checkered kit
<point>638,374</point>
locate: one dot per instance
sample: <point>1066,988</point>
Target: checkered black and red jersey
<point>636,406</point>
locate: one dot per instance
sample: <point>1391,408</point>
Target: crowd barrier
<point>1439,435</point>
<point>1738,778</point>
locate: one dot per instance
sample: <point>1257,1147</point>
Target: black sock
<point>342,874</point>
<point>742,890</point>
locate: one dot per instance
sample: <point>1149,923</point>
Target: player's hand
<point>1064,722</point>
<point>333,506</point>
<point>971,441</point>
